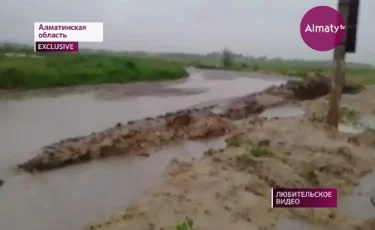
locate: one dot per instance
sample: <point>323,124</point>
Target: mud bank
<point>133,138</point>
<point>230,188</point>
<point>146,136</point>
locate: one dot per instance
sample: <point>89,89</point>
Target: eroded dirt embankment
<point>230,188</point>
<point>145,136</point>
<point>140,139</point>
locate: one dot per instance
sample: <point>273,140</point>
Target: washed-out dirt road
<point>229,188</point>
<point>224,187</point>
<point>70,197</point>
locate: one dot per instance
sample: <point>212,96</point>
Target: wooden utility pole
<point>345,7</point>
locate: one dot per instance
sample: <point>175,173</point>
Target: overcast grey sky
<point>252,27</point>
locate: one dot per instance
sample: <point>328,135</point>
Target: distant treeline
<point>213,57</point>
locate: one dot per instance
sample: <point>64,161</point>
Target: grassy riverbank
<point>55,70</point>
<point>90,68</point>
<point>365,76</point>
<point>362,75</point>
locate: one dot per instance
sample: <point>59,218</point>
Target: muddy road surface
<point>69,198</point>
<point>229,188</point>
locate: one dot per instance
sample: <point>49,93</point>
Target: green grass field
<point>361,75</point>
<point>364,76</point>
<point>55,70</point>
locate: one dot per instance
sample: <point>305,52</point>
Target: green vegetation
<point>361,75</point>
<point>186,225</point>
<point>103,66</point>
<point>258,151</point>
<point>249,159</point>
<point>227,58</point>
<point>349,116</point>
<point>55,70</point>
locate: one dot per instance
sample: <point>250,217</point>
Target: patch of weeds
<point>283,72</point>
<point>310,175</point>
<point>301,74</point>
<point>245,162</point>
<point>186,225</point>
<point>234,141</point>
<point>258,151</point>
<point>349,116</point>
<point>255,67</point>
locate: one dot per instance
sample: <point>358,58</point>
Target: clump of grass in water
<point>186,225</point>
<point>349,116</point>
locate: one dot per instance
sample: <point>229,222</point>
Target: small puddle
<point>350,129</point>
<point>80,193</point>
<point>358,205</point>
<point>366,121</point>
<point>286,111</point>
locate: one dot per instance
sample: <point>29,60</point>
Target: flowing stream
<point>71,197</point>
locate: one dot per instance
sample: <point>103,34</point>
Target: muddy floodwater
<point>69,198</point>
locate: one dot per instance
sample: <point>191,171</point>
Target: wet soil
<point>358,204</point>
<point>142,139</point>
<point>230,187</point>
